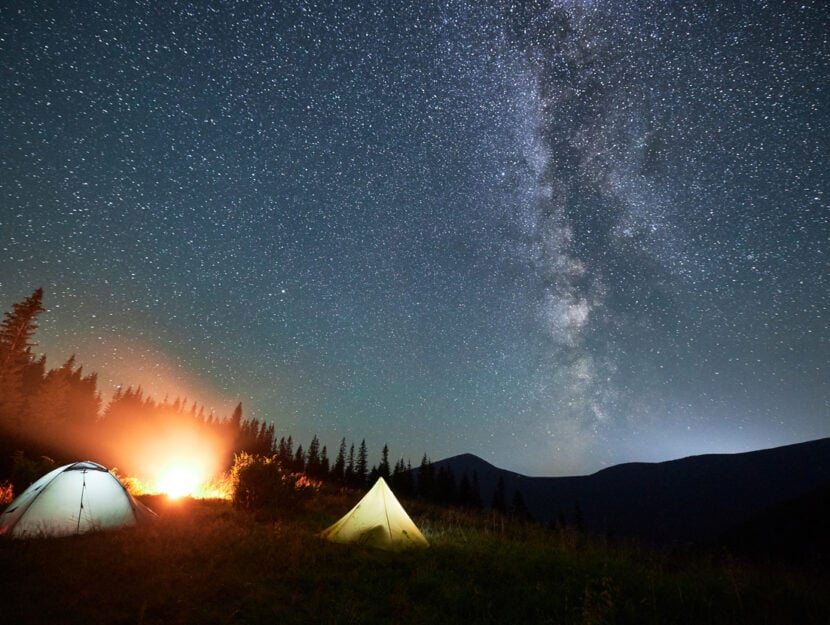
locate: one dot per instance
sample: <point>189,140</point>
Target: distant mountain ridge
<point>690,500</point>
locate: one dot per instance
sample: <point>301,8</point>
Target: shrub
<point>26,470</point>
<point>262,483</point>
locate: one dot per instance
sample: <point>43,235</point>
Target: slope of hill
<point>693,499</point>
<point>794,531</point>
<point>207,562</point>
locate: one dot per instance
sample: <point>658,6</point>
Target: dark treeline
<point>52,416</point>
<point>48,416</point>
<point>350,469</point>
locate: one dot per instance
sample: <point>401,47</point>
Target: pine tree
<point>264,445</point>
<point>235,427</point>
<point>403,481</point>
<point>47,410</point>
<point>33,375</point>
<point>236,417</point>
<point>409,480</point>
<point>499,502</point>
<point>397,476</point>
<point>339,472</point>
<point>313,465</point>
<point>383,469</point>
<point>325,465</point>
<point>270,440</point>
<point>426,479</point>
<point>16,333</point>
<point>361,469</point>
<point>84,400</point>
<point>285,451</point>
<point>445,488</point>
<point>17,329</point>
<point>349,476</point>
<point>299,460</point>
<point>518,508</point>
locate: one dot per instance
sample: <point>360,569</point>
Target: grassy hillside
<point>204,562</point>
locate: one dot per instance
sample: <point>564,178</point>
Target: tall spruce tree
<point>235,428</point>
<point>325,464</point>
<point>499,501</point>
<point>426,479</point>
<point>48,410</point>
<point>445,487</point>
<point>349,476</point>
<point>383,469</point>
<point>313,463</point>
<point>339,471</point>
<point>16,333</point>
<point>299,460</point>
<point>17,329</point>
<point>285,452</point>
<point>361,470</point>
<point>518,507</point>
<point>403,481</point>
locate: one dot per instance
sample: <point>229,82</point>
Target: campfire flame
<point>181,481</point>
<point>180,459</point>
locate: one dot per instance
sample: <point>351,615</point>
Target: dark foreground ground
<point>204,562</point>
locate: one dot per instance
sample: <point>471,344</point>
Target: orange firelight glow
<point>175,459</point>
<point>179,480</point>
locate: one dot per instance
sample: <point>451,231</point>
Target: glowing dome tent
<point>73,499</point>
<point>378,520</point>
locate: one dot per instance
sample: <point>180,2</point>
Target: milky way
<point>557,235</point>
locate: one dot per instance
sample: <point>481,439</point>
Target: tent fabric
<point>72,499</point>
<point>378,520</point>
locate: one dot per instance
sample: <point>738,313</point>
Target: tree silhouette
<point>465,491</point>
<point>361,469</point>
<point>350,467</point>
<point>325,465</point>
<point>314,464</point>
<point>48,407</point>
<point>518,508</point>
<point>18,328</point>
<point>285,451</point>
<point>403,480</point>
<point>299,460</point>
<point>426,478</point>
<point>236,417</point>
<point>383,468</point>
<point>445,487</point>
<point>16,333</point>
<point>339,470</point>
<point>499,501</point>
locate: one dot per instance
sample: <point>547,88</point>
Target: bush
<point>261,483</point>
<point>25,471</point>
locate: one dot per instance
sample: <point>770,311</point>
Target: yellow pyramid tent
<point>378,520</point>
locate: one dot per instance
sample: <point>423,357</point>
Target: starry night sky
<point>559,235</point>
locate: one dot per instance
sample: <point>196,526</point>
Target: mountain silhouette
<point>691,500</point>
